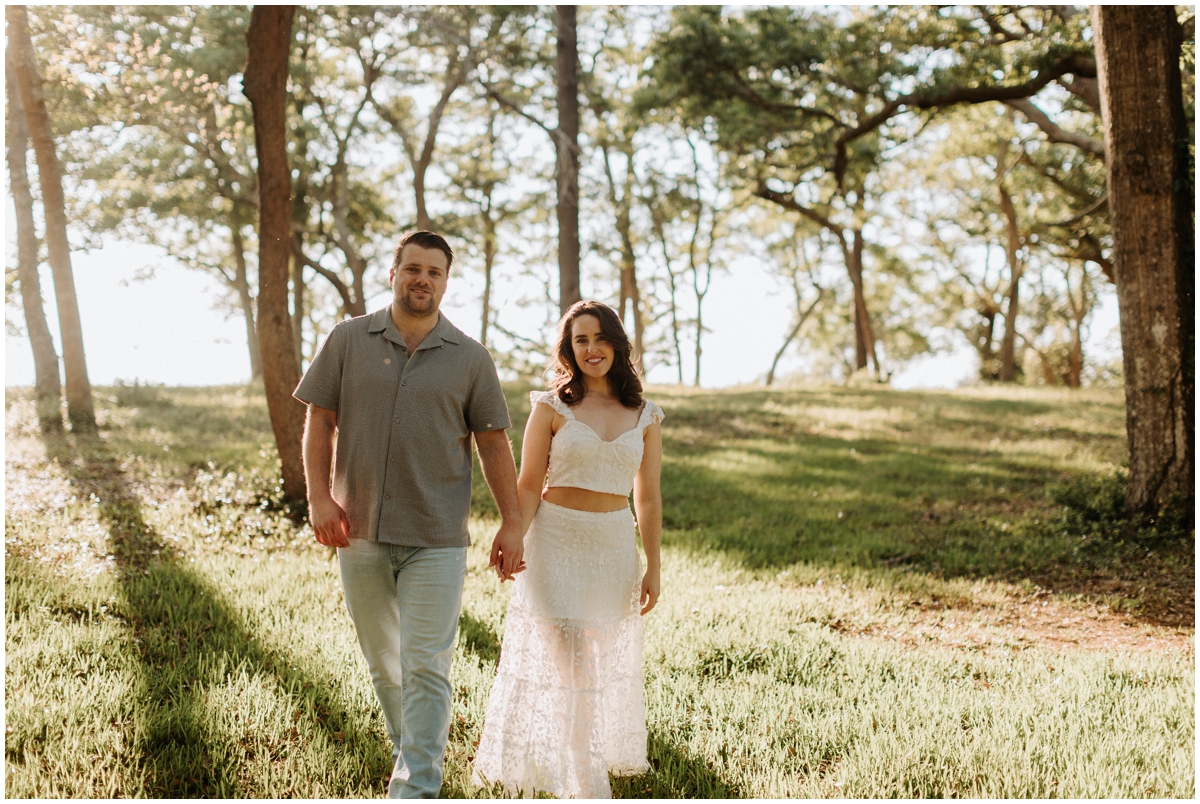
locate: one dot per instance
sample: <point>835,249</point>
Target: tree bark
<point>241,283</point>
<point>80,407</point>
<point>298,311</point>
<point>1008,346</point>
<point>628,294</point>
<point>864,340</point>
<point>268,43</point>
<point>566,164</point>
<point>47,388</point>
<point>660,234</point>
<point>1152,215</point>
<point>489,260</point>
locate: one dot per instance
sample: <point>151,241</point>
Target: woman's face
<point>593,353</point>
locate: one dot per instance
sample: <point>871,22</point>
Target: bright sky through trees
<point>168,328</point>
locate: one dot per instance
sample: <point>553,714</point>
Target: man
<point>404,391</point>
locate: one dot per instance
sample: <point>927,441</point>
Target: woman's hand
<point>651,586</point>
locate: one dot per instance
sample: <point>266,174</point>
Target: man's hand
<point>651,586</point>
<point>329,522</point>
<point>508,548</point>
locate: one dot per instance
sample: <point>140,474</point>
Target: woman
<point>567,706</point>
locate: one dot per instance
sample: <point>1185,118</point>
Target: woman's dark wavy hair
<point>568,382</point>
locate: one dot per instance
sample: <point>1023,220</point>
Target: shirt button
<point>387,496</point>
<point>391,460</point>
<point>404,382</point>
<point>397,421</point>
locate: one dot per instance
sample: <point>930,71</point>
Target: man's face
<point>419,282</point>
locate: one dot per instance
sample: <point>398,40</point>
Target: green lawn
<point>866,593</point>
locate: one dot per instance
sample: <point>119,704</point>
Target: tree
<point>779,85</point>
<point>167,159</point>
<point>566,141</point>
<point>1151,198</point>
<point>798,253</point>
<point>515,78</point>
<point>616,72</point>
<point>47,387</point>
<point>455,39</point>
<point>480,169</point>
<point>268,43</point>
<point>80,408</point>
<point>810,101</point>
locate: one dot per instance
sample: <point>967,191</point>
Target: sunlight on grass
<point>859,600</point>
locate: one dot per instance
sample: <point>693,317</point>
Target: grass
<point>866,593</point>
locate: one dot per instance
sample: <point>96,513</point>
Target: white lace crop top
<point>581,459</point>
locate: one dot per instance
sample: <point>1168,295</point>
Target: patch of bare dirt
<point>1022,623</point>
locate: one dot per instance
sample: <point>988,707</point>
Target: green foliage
<point>137,394</point>
<point>1093,507</point>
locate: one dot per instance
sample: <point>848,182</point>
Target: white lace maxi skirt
<point>568,705</point>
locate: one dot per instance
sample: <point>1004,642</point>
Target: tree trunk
<point>1078,309</point>
<point>1008,346</point>
<point>489,259</point>
<point>298,310</point>
<point>628,295</point>
<point>80,408</point>
<point>566,164</point>
<point>242,285</point>
<point>47,388</point>
<point>1152,214</point>
<point>801,316</point>
<point>660,234</point>
<point>700,294</point>
<point>268,41</point>
<point>864,333</point>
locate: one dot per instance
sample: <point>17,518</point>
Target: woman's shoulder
<point>651,413</point>
<point>550,399</point>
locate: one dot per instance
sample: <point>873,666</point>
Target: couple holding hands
<point>394,399</point>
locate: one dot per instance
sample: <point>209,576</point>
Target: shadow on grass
<point>750,476</point>
<point>478,637</point>
<point>674,773</point>
<point>189,641</point>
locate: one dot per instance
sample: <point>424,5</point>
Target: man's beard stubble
<point>408,309</point>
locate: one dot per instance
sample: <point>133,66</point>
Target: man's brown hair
<point>424,240</point>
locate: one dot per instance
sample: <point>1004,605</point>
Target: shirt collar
<point>443,332</point>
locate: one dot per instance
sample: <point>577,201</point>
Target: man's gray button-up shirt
<point>402,469</point>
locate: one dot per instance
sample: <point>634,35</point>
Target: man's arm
<point>327,517</point>
<point>500,472</point>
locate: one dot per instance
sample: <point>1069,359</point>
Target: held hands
<point>507,550</point>
<point>329,522</point>
<point>651,586</point>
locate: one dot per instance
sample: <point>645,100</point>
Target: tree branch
<point>936,98</point>
<point>1056,134</point>
<point>787,202</point>
<point>334,279</point>
<point>1100,203</point>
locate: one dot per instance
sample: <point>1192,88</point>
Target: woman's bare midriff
<point>596,502</point>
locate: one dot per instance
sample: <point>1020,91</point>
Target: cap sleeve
<point>652,414</point>
<point>550,398</point>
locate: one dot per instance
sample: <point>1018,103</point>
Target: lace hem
<point>567,707</point>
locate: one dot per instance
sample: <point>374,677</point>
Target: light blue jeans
<point>405,603</point>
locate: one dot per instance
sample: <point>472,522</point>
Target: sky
<point>167,328</point>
